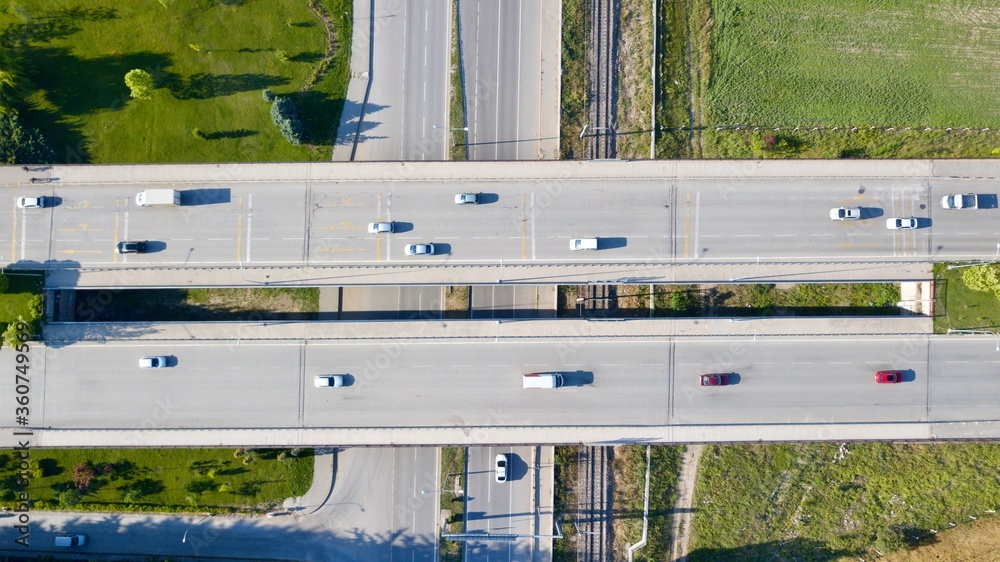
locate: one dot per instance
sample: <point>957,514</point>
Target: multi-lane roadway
<point>765,221</point>
<point>450,386</point>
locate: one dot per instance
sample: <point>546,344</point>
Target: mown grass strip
<point>167,480</point>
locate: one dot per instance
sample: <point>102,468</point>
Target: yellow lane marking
<point>71,252</point>
<point>82,228</point>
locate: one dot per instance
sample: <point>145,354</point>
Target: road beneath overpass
<point>459,382</point>
<point>658,222</point>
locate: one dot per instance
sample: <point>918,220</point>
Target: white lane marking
<point>697,224</point>
<point>249,219</point>
<point>532,218</point>
<point>24,231</point>
<point>517,87</point>
<point>496,92</point>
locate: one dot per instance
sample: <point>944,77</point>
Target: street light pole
<point>185,537</point>
<point>994,260</point>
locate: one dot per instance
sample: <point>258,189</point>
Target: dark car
<point>131,248</point>
<point>889,377</point>
<point>715,379</point>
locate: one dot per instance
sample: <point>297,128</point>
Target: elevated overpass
<point>658,221</point>
<point>458,382</point>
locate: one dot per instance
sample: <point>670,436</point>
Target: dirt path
<point>685,502</point>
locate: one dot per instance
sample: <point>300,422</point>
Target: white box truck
<point>152,197</point>
<point>542,380</point>
<point>961,201</point>
<point>583,244</point>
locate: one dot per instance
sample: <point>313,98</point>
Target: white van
<point>71,540</point>
<point>583,244</point>
<point>542,380</point>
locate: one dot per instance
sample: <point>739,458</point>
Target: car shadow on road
<point>578,378</point>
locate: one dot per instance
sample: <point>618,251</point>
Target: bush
<point>69,498</point>
<point>286,117</point>
<point>680,300</point>
<point>268,95</point>
<point>981,278</point>
<point>21,145</point>
<point>196,133</point>
<point>83,475</point>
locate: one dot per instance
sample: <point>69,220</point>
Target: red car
<point>889,377</point>
<point>716,379</point>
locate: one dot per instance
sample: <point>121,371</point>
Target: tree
<point>981,278</point>
<point>69,498</point>
<point>10,335</point>
<point>21,145</point>
<point>141,83</point>
<point>286,116</point>
<point>83,475</point>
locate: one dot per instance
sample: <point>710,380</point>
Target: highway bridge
<point>458,382</point>
<point>658,222</point>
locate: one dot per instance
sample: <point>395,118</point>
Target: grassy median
<point>166,480</point>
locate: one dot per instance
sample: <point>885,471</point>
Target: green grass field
<point>960,308</point>
<point>211,60</point>
<point>856,62</point>
<point>806,503</point>
<point>173,480</point>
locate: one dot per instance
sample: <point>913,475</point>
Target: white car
<point>328,381</point>
<point>901,223</point>
<point>30,202</point>
<point>467,199</point>
<point>380,227</point>
<point>845,213</point>
<point>152,362</point>
<point>501,464</point>
<point>420,250</point>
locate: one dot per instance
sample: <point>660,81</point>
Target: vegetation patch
<point>209,62</point>
<point>21,301</point>
<point>807,299</point>
<point>165,480</point>
<point>673,81</point>
<point>191,305</point>
<point>564,502</point>
<point>575,78</point>
<point>854,63</point>
<point>848,143</point>
<point>456,136</point>
<point>977,540</point>
<point>959,307</point>
<point>453,465</point>
<point>635,88</point>
<point>821,502</point>
<point>630,492</point>
<point>456,302</point>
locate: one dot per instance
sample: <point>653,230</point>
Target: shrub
<point>268,95</point>
<point>981,278</point>
<point>286,117</point>
<point>198,134</point>
<point>680,300</point>
<point>141,84</point>
<point>21,145</point>
<point>281,55</point>
<point>69,498</point>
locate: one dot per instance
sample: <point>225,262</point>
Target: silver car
<point>467,199</point>
<point>380,227</point>
<point>845,213</point>
<point>153,362</point>
<point>420,250</point>
<point>901,223</point>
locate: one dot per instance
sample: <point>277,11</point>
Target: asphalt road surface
<point>520,222</point>
<point>409,87</point>
<point>477,383</point>
<point>502,61</point>
<point>497,508</point>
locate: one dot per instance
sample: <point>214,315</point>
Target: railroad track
<point>594,511</point>
<point>603,58</point>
